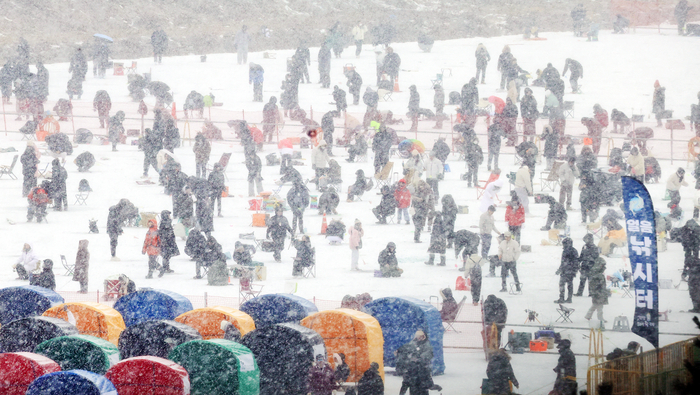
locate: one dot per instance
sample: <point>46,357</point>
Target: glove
<point>558,272</point>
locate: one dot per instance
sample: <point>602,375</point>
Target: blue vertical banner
<point>641,240</point>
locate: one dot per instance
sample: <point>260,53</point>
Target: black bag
<point>267,246</point>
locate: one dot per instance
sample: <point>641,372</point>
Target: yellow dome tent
<point>94,319</point>
<point>207,321</point>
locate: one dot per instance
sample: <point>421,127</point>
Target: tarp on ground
<point>218,366</point>
<point>149,375</point>
<point>19,369</point>
<point>400,318</point>
<point>80,352</point>
<point>25,334</point>
<point>274,309</point>
<point>353,333</point>
<point>156,338</point>
<point>72,382</point>
<point>94,319</point>
<point>151,304</point>
<point>284,353</point>
<point>207,321</point>
<point>26,301</point>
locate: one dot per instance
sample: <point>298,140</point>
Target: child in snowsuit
<point>151,246</point>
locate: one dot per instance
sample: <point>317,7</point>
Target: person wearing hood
<point>27,263</point>
<point>551,145</point>
<point>306,255</point>
<point>298,200</point>
<point>515,216</point>
<point>341,103</point>
<point>126,286</point>
<point>690,240</point>
<point>388,263</point>
<point>319,161</point>
<point>589,198</point>
<point>403,200</point>
<point>490,196</point>
<point>567,270</point>
<point>328,202</point>
<point>423,204</point>
<point>355,242</point>
<point>450,307</point>
<point>529,113</point>
<point>495,312</point>
<point>230,331</point>
<point>681,15</point>
<point>46,278</point>
<point>277,229</point>
<point>354,85</point>
<point>503,64</point>
<point>438,241</point>
<point>116,129</point>
<point>38,199</point>
<point>321,378</point>
<point>674,183</point>
<point>636,162</point>
<point>565,384</point>
<point>509,120</point>
<point>470,98</point>
<point>472,269</point>
<point>57,192</point>
<point>589,254</point>
<point>508,253</point>
<point>658,103</point>
<point>439,104</point>
<point>341,372</point>
<point>598,289</point>
<point>482,59</point>
<point>691,272</point>
<point>413,107</point>
<point>114,229</point>
<point>500,373</point>
<point>324,64</point>
<point>359,187</point>
<point>82,264</point>
<point>417,357</point>
<point>371,382</point>
<point>271,116</point>
<point>168,246</point>
<point>30,163</point>
<point>556,216</point>
<point>151,246</point>
<point>217,185</point>
<point>254,166</point>
<point>576,73</point>
<point>381,146</point>
<point>387,206</point>
<point>449,217</point>
<point>202,150</point>
<point>523,186</point>
<point>328,128</point>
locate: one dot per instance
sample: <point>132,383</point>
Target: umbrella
<point>409,145</point>
<point>104,37</point>
<point>498,103</point>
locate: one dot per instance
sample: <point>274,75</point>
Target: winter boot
<point>431,260</point>
<point>568,300</point>
<point>443,260</point>
<point>150,274</point>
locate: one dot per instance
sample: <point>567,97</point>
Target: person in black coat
<point>387,206</point>
<point>503,62</point>
<point>576,73</point>
<point>324,65</point>
<point>529,112</point>
<point>357,149</point>
<point>474,156</point>
<point>84,161</point>
<point>470,97</point>
<point>495,312</point>
<point>381,145</point>
<point>328,128</point>
<point>212,252</point>
<point>500,373</point>
<point>243,254</point>
<point>303,60</point>
<point>371,99</point>
<point>30,165</point>
<point>391,65</point>
<point>116,129</point>
<point>168,246</point>
<point>690,240</point>
<point>438,241</point>
<point>466,242</point>
<point>151,143</point>
<point>306,255</point>
<point>589,198</point>
<point>354,85</point>
<point>449,217</point>
<point>114,229</point>
<point>58,186</point>
<point>270,118</point>
<point>217,183</point>
<point>482,59</point>
<point>371,381</point>
<point>298,200</point>
<point>359,187</point>
<point>277,229</point>
<point>171,138</point>
<point>46,278</point>
<point>254,166</point>
<point>159,41</point>
<point>175,184</point>
<point>551,145</point>
<point>413,107</point>
<point>417,373</point>
<point>341,103</point>
<point>509,121</point>
<point>195,247</point>
<point>204,211</point>
<point>565,384</point>
<point>495,133</point>
<point>388,264</point>
<point>556,215</point>
<point>589,254</point>
<point>441,149</point>
<point>328,202</point>
<point>567,270</point>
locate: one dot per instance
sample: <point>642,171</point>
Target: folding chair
<point>564,314</point>
<point>384,176</point>
<point>449,324</point>
<point>568,109</point>
<point>44,173</point>
<point>223,161</point>
<point>132,69</point>
<point>596,229</point>
<point>277,192</point>
<point>437,81</point>
<point>627,292</point>
<point>310,271</point>
<point>385,94</point>
<point>549,179</point>
<point>247,290</point>
<point>480,189</point>
<point>81,198</point>
<point>4,169</point>
<point>517,159</point>
<point>69,268</point>
<point>514,289</point>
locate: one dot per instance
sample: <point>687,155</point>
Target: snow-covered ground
<point>619,72</point>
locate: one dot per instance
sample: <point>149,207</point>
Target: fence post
<point>98,295</point>
<point>244,114</point>
<point>4,120</point>
<point>206,301</point>
<point>671,142</point>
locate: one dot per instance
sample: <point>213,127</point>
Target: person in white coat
<point>358,33</point>
<point>413,168</point>
<point>319,160</point>
<point>434,172</point>
<point>674,184</point>
<point>27,263</point>
<point>355,235</point>
<point>490,196</point>
<point>523,186</point>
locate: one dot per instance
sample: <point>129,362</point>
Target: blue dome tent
<point>151,304</point>
<point>26,301</point>
<point>274,309</point>
<point>400,318</point>
<point>72,382</point>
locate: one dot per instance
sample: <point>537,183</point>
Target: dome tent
<point>207,321</point>
<point>72,382</point>
<point>18,370</point>
<point>156,338</point>
<point>27,333</point>
<point>151,304</point>
<point>284,353</point>
<point>25,301</point>
<point>273,309</point>
<point>353,333</point>
<point>80,352</point>
<point>91,318</point>
<point>400,318</point>
<point>149,375</point>
<point>218,366</point>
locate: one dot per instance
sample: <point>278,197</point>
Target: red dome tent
<point>149,375</point>
<point>18,370</point>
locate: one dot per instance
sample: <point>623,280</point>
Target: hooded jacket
<point>28,259</point>
<point>82,262</point>
<point>569,260</point>
<point>151,245</point>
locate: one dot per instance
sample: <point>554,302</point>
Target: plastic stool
<point>621,324</point>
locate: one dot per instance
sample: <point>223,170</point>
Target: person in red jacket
<point>515,216</point>
<point>601,116</point>
<point>151,246</point>
<point>403,201</point>
<point>38,200</point>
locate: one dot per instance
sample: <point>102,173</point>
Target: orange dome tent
<point>207,321</point>
<point>353,333</point>
<point>91,318</point>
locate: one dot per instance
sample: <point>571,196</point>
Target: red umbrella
<point>498,103</point>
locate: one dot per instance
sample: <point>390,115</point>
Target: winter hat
<point>31,144</point>
<point>414,152</point>
<point>566,343</point>
<point>420,335</point>
<point>507,234</point>
<point>357,222</point>
<point>656,84</point>
<point>48,264</point>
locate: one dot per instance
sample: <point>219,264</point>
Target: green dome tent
<point>218,366</point>
<point>82,352</point>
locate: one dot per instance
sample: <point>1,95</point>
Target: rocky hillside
<point>54,28</point>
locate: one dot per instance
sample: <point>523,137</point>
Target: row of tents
<point>281,335</point>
